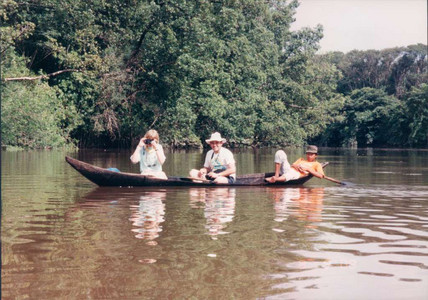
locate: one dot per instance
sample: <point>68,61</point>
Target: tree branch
<point>41,76</point>
<point>142,36</point>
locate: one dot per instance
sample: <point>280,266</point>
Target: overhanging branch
<point>47,76</point>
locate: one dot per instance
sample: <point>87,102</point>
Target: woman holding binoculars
<point>150,155</point>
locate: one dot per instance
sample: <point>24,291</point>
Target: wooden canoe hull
<point>104,177</point>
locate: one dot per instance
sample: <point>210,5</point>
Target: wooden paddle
<point>334,180</point>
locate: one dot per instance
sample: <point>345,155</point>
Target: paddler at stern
<point>300,168</point>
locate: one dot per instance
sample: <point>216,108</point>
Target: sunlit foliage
<point>188,68</point>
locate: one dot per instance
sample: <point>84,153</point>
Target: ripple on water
<point>350,242</point>
<point>382,240</point>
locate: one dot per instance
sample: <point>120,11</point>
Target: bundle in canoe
<point>105,177</point>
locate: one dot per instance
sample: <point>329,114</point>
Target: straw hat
<point>312,149</point>
<point>215,137</point>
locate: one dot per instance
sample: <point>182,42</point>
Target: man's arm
<point>296,165</point>
<point>316,173</point>
<point>231,169</point>
<point>203,171</point>
<point>135,157</point>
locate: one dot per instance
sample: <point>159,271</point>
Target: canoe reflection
<point>305,204</point>
<point>218,205</point>
<point>148,215</point>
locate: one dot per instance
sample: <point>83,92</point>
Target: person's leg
<point>161,175</point>
<point>221,179</point>
<point>154,174</point>
<point>290,175</point>
<point>281,166</point>
<point>194,173</point>
<point>271,179</point>
<point>280,156</point>
<point>231,179</point>
<point>282,160</point>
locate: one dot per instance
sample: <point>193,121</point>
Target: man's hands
<point>202,172</point>
<point>142,143</point>
<point>154,144</point>
<point>301,168</point>
<point>306,170</point>
<point>213,175</point>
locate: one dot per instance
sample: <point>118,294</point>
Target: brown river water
<point>63,237</point>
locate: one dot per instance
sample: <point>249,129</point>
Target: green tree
<point>417,116</point>
<point>185,68</point>
<point>32,114</point>
<point>230,66</point>
<point>408,69</point>
<point>368,113</point>
<point>396,69</point>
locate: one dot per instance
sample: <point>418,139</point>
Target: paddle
<point>334,180</point>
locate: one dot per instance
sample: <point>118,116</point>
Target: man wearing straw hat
<point>219,163</point>
<point>300,168</point>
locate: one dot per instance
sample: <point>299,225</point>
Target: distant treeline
<point>101,73</point>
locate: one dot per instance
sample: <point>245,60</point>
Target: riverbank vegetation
<point>101,73</point>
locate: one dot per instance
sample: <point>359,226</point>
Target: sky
<point>365,24</point>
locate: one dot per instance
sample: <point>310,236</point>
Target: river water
<point>63,237</point>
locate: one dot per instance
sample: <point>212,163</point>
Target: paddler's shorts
<point>292,174</point>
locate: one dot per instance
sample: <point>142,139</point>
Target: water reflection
<point>219,207</point>
<point>148,215</point>
<point>147,209</point>
<point>59,242</point>
<point>305,204</point>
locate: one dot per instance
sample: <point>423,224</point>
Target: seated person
<point>219,163</point>
<point>150,155</point>
<point>300,168</point>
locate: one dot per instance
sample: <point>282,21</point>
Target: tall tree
<point>185,67</point>
<point>367,119</point>
<point>416,113</point>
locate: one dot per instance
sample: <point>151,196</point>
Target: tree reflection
<point>305,204</point>
<point>148,215</point>
<point>219,207</point>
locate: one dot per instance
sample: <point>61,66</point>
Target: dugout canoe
<point>105,177</point>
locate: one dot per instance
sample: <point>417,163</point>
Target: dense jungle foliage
<point>101,73</point>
